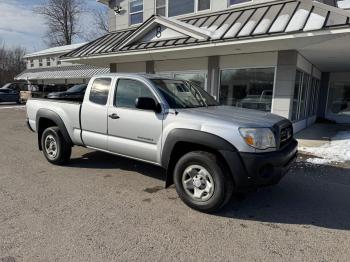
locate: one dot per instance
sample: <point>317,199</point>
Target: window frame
<point>48,61</point>
<point>303,113</point>
<point>134,13</point>
<point>239,4</point>
<point>109,92</point>
<point>196,11</point>
<point>40,62</point>
<point>249,67</point>
<point>155,94</point>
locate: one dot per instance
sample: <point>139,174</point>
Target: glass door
<point>338,105</point>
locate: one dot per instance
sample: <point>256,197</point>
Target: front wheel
<point>55,148</point>
<point>201,182</point>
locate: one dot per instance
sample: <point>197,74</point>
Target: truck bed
<point>68,111</point>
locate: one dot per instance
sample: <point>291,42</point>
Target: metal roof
<point>55,50</point>
<point>103,45</point>
<point>63,72</point>
<point>275,18</point>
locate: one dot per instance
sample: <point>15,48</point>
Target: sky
<point>19,26</point>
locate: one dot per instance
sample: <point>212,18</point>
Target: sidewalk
<point>325,144</point>
<point>319,134</point>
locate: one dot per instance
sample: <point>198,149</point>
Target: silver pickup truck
<point>209,151</point>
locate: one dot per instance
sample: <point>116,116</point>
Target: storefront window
<point>198,78</point>
<point>313,97</point>
<point>339,99</point>
<point>295,108</point>
<point>301,96</point>
<point>248,88</point>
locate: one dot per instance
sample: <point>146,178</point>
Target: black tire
<point>63,149</point>
<point>223,183</point>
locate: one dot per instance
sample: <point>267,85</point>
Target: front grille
<point>286,135</point>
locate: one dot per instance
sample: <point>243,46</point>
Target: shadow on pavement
<point>308,195</point>
<point>100,160</point>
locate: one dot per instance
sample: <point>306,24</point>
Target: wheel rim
<point>51,147</point>
<point>198,183</point>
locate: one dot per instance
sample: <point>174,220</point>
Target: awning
<point>269,20</point>
<point>63,72</point>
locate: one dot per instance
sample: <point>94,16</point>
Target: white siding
<point>266,59</point>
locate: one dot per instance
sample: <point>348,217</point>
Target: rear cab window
<point>100,90</point>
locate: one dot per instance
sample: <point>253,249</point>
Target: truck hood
<point>240,116</point>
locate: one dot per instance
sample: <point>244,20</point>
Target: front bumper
<point>252,170</point>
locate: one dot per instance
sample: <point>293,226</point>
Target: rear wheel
<point>201,181</point>
<point>55,148</point>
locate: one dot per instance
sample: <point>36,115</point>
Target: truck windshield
<point>183,94</point>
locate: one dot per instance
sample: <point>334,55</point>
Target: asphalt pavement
<point>106,208</point>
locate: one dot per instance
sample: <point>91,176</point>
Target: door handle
<point>114,116</point>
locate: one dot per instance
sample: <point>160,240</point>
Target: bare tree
<point>100,16</point>
<point>62,20</point>
<point>99,24</point>
<point>11,63</point>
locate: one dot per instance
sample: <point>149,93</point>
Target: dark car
<point>9,95</point>
<point>76,92</point>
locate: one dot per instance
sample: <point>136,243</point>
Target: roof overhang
<point>280,25</point>
<point>62,72</point>
<point>300,41</point>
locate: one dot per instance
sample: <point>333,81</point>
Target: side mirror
<point>147,103</point>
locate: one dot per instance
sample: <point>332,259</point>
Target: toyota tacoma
<point>208,151</point>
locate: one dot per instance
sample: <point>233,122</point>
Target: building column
<point>213,76</point>
<point>113,68</point>
<point>322,97</point>
<point>150,67</point>
<point>282,100</point>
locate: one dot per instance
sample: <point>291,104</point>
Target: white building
<point>45,67</point>
<point>290,58</point>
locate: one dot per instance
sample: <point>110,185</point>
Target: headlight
<point>260,138</point>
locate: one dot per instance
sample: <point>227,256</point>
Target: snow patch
<point>337,150</point>
<point>318,161</point>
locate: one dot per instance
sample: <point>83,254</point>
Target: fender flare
<point>177,135</point>
<point>54,117</point>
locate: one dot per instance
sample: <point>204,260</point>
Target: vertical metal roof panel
<point>253,21</point>
<point>283,18</point>
<point>200,21</point>
<point>336,19</point>
<point>267,20</point>
<point>316,19</point>
<point>299,19</point>
<point>210,21</point>
<point>235,28</point>
<point>219,21</point>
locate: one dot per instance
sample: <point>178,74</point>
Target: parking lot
<point>106,208</point>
